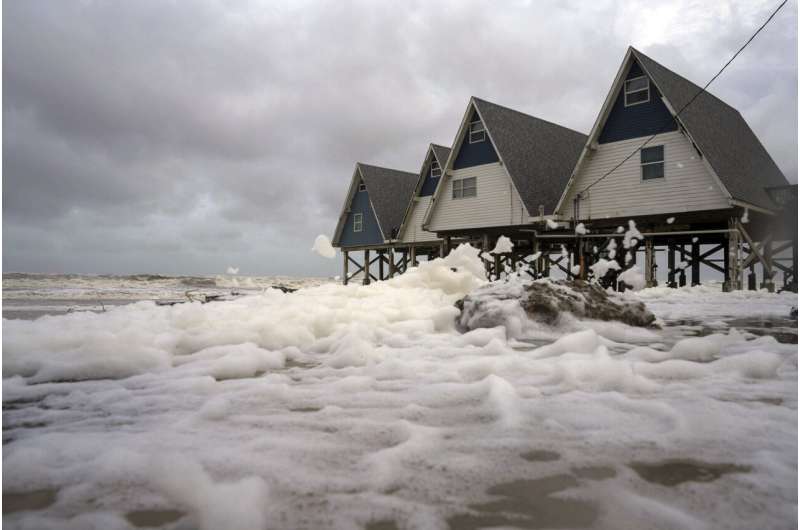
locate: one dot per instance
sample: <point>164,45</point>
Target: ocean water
<point>364,407</point>
<point>29,296</point>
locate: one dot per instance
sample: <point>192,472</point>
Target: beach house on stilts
<point>687,169</point>
<point>506,172</point>
<point>370,221</point>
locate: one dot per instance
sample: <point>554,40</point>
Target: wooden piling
<point>682,273</point>
<point>345,267</point>
<point>365,281</point>
<point>546,263</point>
<point>671,265</point>
<point>734,266</point>
<point>695,263</point>
<point>767,270</point>
<point>726,265</point>
<point>649,264</point>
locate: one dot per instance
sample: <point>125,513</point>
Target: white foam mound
<point>459,272</point>
<point>601,267</point>
<point>215,504</point>
<point>633,278</point>
<point>503,246</point>
<point>323,247</point>
<point>237,338</point>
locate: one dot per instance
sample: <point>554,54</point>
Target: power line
<point>668,122</point>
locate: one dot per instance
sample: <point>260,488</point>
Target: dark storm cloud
<point>186,137</point>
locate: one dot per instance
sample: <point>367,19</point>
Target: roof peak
<point>638,54</point>
<point>373,166</point>
<point>509,109</point>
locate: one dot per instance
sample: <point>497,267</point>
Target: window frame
<point>362,187</point>
<point>628,92</point>
<point>358,222</point>
<point>482,131</point>
<point>458,191</point>
<point>663,163</point>
<point>435,167</point>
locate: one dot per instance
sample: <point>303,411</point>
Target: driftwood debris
<point>195,296</point>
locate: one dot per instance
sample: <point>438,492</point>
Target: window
<point>652,162</point>
<point>463,188</point>
<point>358,222</point>
<point>436,171</point>
<point>476,132</point>
<point>362,186</point>
<point>637,90</point>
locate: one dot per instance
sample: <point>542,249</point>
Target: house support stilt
<point>733,267</point>
<point>367,263</point>
<point>649,264</point>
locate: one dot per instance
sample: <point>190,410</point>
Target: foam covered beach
<point>365,407</point>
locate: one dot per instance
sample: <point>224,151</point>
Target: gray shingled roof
<point>539,155</point>
<point>441,152</point>
<point>721,134</point>
<point>389,191</point>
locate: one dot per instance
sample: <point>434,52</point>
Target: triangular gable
<point>636,119</point>
<point>538,155</point>
<point>735,157</point>
<point>461,139</point>
<point>475,149</point>
<point>629,63</point>
<point>722,136</point>
<point>426,184</point>
<point>357,202</point>
<point>429,179</point>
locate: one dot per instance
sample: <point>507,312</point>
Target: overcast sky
<point>185,137</point>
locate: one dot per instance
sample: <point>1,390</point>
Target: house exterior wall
<point>643,119</point>
<point>497,202</point>
<point>688,185</point>
<point>371,234</point>
<point>413,232</point>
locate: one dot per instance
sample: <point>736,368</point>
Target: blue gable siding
<point>429,186</point>
<point>371,234</point>
<point>644,119</point>
<point>474,154</point>
<point>430,183</point>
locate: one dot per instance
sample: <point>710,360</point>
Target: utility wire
<point>668,122</point>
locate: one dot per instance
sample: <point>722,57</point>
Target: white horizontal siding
<point>687,184</point>
<point>497,202</point>
<point>413,232</point>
